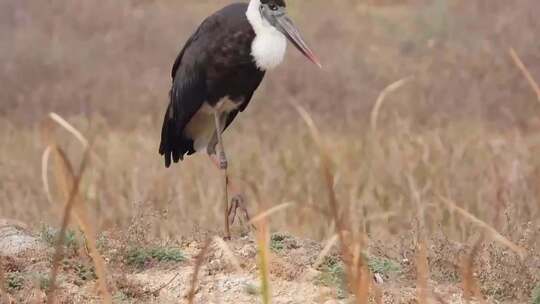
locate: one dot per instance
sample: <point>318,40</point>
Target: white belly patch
<point>201,127</point>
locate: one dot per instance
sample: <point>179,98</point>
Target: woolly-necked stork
<point>216,74</point>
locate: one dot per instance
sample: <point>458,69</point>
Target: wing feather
<point>187,94</point>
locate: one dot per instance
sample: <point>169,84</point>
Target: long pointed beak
<point>287,27</point>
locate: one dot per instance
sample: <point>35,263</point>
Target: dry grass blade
<point>360,276</point>
<point>69,188</point>
<point>326,250</point>
<point>264,260</point>
<point>266,214</point>
<point>160,288</point>
<point>229,255</point>
<point>494,234</point>
<point>44,170</point>
<point>326,168</point>
<point>3,290</point>
<point>380,100</point>
<point>59,250</point>
<point>422,276</point>
<point>519,63</point>
<point>66,125</point>
<point>380,217</point>
<point>357,272</point>
<point>66,179</point>
<point>470,286</point>
<point>198,264</point>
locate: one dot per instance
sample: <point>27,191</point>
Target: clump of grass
<point>102,242</point>
<point>49,235</point>
<point>333,275</point>
<point>120,297</point>
<point>43,282</point>
<point>140,257</point>
<point>281,241</point>
<point>85,272</point>
<point>14,281</point>
<point>383,266</point>
<point>535,299</point>
<point>277,242</point>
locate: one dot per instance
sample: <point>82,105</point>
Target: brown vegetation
<point>439,174</point>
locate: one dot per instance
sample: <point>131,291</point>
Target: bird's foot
<point>238,202</point>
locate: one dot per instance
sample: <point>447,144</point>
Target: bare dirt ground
<point>232,276</point>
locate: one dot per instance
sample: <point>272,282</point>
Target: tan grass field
<point>436,181</point>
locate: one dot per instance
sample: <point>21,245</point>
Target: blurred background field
<point>465,126</point>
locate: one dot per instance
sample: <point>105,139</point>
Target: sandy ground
<point>226,279</point>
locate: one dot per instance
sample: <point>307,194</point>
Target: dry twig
<point>530,79</point>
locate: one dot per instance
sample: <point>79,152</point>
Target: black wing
<point>187,95</point>
<point>192,79</point>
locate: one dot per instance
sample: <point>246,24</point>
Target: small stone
<point>248,251</point>
<point>15,240</point>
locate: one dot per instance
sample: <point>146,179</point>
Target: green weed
<point>140,257</point>
<point>49,236</point>
<point>383,266</point>
<point>535,299</point>
<point>14,281</point>
<point>333,275</point>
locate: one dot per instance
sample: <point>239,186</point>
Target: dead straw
<point>3,290</point>
<point>263,239</point>
<point>422,273</point>
<point>59,250</point>
<point>69,183</point>
<point>494,234</point>
<point>530,79</point>
<point>470,284</point>
<point>266,214</point>
<point>382,97</point>
<point>198,264</point>
<point>358,274</point>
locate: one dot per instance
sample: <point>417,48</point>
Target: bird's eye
<point>273,7</point>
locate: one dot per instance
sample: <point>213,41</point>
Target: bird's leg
<point>238,200</point>
<point>222,158</point>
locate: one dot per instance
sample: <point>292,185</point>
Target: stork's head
<point>273,13</point>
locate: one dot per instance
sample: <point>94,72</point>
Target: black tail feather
<point>173,145</point>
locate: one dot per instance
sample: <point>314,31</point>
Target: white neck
<point>269,46</point>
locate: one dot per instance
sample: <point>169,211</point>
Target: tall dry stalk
<point>470,284</point>
<point>357,272</point>
<point>70,202</point>
<point>195,277</point>
<point>3,289</point>
<point>68,183</point>
<point>263,241</point>
<point>382,97</point>
<point>422,273</point>
<point>422,263</point>
<point>491,232</point>
<point>530,79</point>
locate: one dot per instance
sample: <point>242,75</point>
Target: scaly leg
<point>223,165</point>
<point>238,200</point>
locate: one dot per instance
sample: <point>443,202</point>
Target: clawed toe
<point>238,202</point>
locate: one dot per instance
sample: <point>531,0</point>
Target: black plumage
<point>215,63</point>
